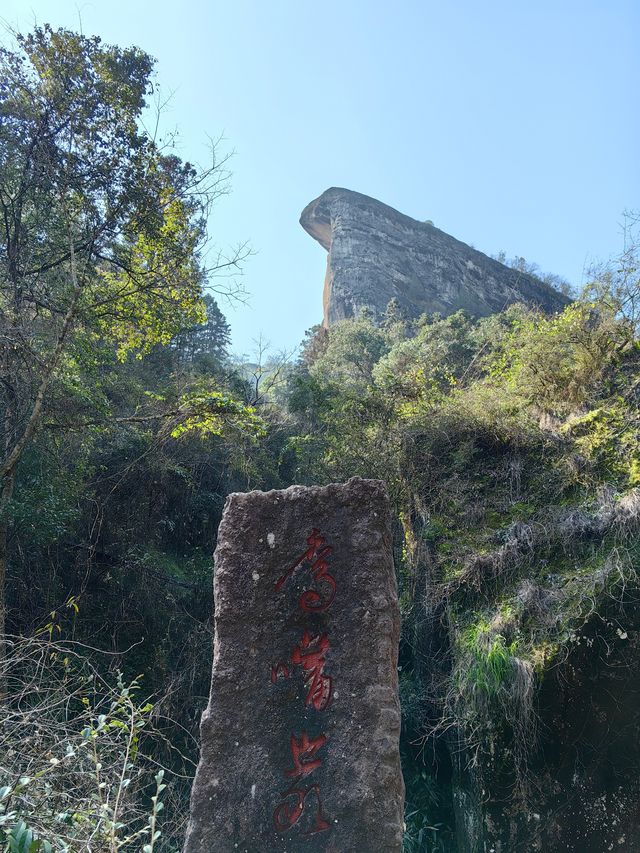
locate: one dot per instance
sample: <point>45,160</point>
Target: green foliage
<point>608,438</point>
<point>74,772</point>
<point>509,445</point>
<point>422,800</point>
<point>352,350</point>
<point>205,344</point>
<point>154,292</point>
<point>557,361</point>
<point>424,368</point>
<point>209,412</point>
<point>488,661</point>
<point>21,839</point>
<point>102,253</point>
<point>52,481</point>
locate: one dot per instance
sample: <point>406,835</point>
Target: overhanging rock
<point>376,254</point>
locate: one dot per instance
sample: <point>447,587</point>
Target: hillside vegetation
<point>510,446</point>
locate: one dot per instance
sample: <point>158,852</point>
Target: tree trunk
<point>14,453</point>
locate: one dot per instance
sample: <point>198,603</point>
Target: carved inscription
<point>300,736</point>
<point>315,555</point>
<point>310,655</point>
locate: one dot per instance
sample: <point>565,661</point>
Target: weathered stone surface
<point>377,254</point>
<point>300,741</point>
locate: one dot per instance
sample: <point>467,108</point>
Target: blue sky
<point>512,125</point>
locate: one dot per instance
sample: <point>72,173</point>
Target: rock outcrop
<point>376,254</point>
<point>300,740</point>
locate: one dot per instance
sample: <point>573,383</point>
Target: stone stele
<point>300,740</point>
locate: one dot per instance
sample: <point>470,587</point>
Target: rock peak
<point>376,254</point>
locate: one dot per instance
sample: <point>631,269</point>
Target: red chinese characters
<point>303,750</point>
<point>288,812</point>
<point>310,655</point>
<point>316,555</point>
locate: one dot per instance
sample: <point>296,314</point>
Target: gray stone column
<point>300,737</point>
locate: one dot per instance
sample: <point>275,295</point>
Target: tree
<point>102,232</point>
<point>207,341</point>
<point>615,284</point>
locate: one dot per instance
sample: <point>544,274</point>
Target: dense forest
<point>510,447</point>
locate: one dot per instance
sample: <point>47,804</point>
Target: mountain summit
<point>376,254</point>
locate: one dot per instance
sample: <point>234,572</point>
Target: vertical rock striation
<point>376,254</point>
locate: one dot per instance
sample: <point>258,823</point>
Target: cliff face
<point>376,254</point>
